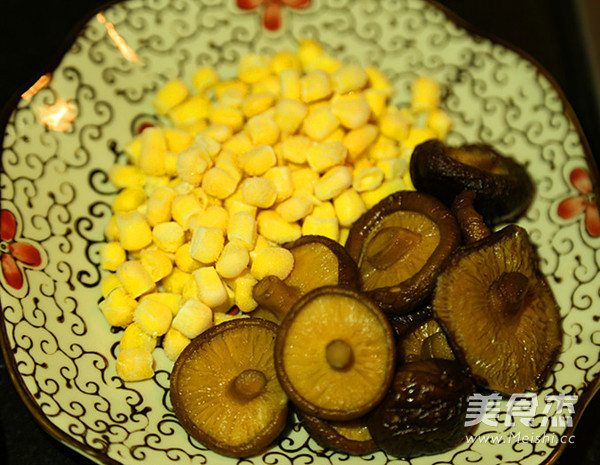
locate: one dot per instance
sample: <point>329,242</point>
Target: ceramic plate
<point>56,202</point>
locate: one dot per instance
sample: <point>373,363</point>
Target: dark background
<point>32,31</point>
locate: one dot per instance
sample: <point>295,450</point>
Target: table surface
<point>548,30</point>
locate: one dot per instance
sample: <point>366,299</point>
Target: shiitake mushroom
<point>426,340</point>
<point>424,411</point>
<point>400,246</point>
<point>502,186</point>
<point>318,261</point>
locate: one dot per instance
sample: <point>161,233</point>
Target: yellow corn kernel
<point>349,78</point>
<point>425,94</point>
<point>255,104</point>
<point>126,176</point>
<point>228,302</point>
<point>191,111</point>
<point>394,125</point>
<point>349,206</point>
<point>379,81</point>
<point>384,148</point>
<point>304,180</point>
<point>314,86</point>
<point>253,68</point>
<point>157,263</point>
<point>371,198</point>
<point>272,261</point>
<point>392,167</point>
<point>333,182</point>
<point>134,278</point>
<point>177,139</point>
<point>227,162</point>
<point>195,127</point>
<point>172,93</point>
<point>134,365</point>
<point>439,122</point>
<point>232,98</point>
<point>328,227</point>
<point>135,338</point>
<point>191,164</point>
<point>337,135</point>
<point>129,199</point>
<point>170,165</point>
<point>168,236</point>
<point>290,84</point>
<point>257,160</point>
<point>223,114</point>
<point>367,179</point>
<point>358,140</point>
<point>154,182</point>
<point>158,208</point>
<point>219,183</point>
<point>273,227</point>
<point>243,286</point>
<point>233,260</point>
<point>133,231</point>
<point>270,84</point>
<point>352,111</point>
<point>132,150</point>
<point>289,114</point>
<point>118,307</point>
<point>108,283</point>
<point>206,244</point>
<point>193,318</point>
<point>184,261</point>
<point>344,233</point>
<point>211,289</point>
<point>320,123</point>
<point>281,176</point>
<point>415,137</point>
<point>327,63</point>
<point>260,243</point>
<point>220,317</point>
<point>190,290</point>
<point>214,216</point>
<point>218,132</point>
<point>234,205</point>
<point>208,144</point>
<point>242,226</point>
<point>295,148</point>
<point>112,254</point>
<point>176,281</point>
<point>152,151</point>
<point>153,317</point>
<point>258,191</point>
<point>308,51</point>
<point>204,77</point>
<point>262,129</point>
<point>284,60</point>
<point>295,208</point>
<point>171,300</point>
<point>377,100</point>
<point>173,343</point>
<point>324,210</point>
<point>322,156</point>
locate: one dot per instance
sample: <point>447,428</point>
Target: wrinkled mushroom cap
<point>499,313</point>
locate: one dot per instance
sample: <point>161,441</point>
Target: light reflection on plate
<point>59,346</point>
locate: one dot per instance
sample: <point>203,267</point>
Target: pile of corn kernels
<point>298,143</point>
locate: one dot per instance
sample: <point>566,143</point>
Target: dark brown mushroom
<point>427,340</point>
<point>318,261</point>
<point>499,313</point>
<point>502,186</point>
<point>424,412</point>
<point>400,245</point>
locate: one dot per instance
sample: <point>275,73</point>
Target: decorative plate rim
<point>54,62</point>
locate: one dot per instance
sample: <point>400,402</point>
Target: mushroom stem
<point>275,295</point>
<point>509,290</point>
<point>249,384</point>
<point>339,355</point>
<point>470,222</point>
<point>389,245</point>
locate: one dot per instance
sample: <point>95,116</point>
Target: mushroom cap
<point>400,246</point>
<point>335,354</point>
<point>503,187</point>
<point>499,313</point>
<point>225,390</point>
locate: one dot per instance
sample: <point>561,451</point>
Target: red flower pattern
<point>583,203</point>
<point>15,254</point>
<point>271,18</point>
